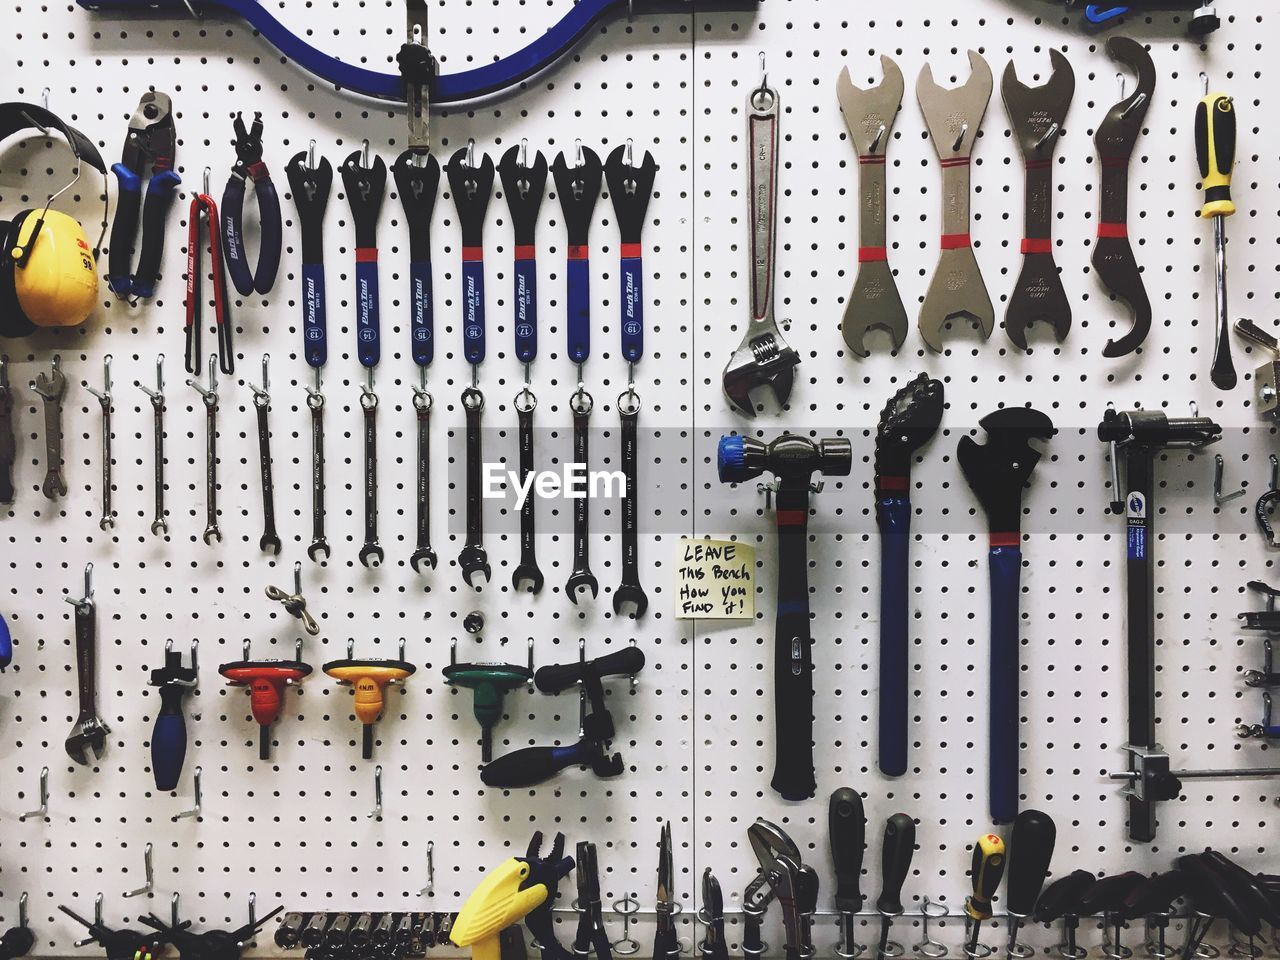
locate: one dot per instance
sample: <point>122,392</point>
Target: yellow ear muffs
<point>57,284</point>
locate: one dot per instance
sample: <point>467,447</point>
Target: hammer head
<point>998,470</point>
<point>789,458</point>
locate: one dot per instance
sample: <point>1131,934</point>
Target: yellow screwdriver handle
<point>1216,152</point>
<point>986,870</point>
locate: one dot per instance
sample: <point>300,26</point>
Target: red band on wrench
<point>1113,231</point>
<point>1037,245</point>
<point>472,254</point>
<point>873,159</point>
<point>792,518</point>
<point>631,251</point>
<point>956,162</point>
<point>1005,539</point>
<point>526,251</point>
<point>955,241</point>
<point>366,254</point>
<point>872,254</point>
<point>578,252</point>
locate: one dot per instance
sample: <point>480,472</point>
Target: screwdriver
<point>848,827</point>
<point>895,863</point>
<point>1215,133</point>
<point>1030,851</point>
<point>986,869</point>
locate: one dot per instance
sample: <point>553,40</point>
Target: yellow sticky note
<point>715,580</point>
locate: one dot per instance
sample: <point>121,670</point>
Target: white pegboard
<point>697,732</point>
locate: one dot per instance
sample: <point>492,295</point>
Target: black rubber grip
<point>895,861</point>
<point>1062,897</point>
<point>1030,851</point>
<point>270,237</point>
<point>1156,895</point>
<point>1109,893</point>
<point>1211,894</point>
<point>848,825</point>
<point>1244,886</point>
<point>556,677</point>
<point>533,765</point>
<point>793,773</point>
<point>155,213</point>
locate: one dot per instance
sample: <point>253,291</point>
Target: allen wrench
<point>43,810</point>
<point>150,874</point>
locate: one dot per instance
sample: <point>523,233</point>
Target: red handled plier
<point>203,208</point>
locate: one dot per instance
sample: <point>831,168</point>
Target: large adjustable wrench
<point>953,117</point>
<point>874,302</point>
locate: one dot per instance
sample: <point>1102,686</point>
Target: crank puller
<point>578,188</point>
<point>581,576</point>
<point>471,187</point>
<point>527,570</point>
<point>473,558</point>
<point>365,187</point>
<point>249,165</point>
<point>629,591</point>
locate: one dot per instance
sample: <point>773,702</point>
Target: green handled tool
<point>489,683</point>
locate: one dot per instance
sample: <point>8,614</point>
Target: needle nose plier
<point>248,164</point>
<point>152,142</point>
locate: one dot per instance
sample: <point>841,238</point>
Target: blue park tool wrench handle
<point>169,738</point>
<point>6,643</point>
<point>314,324</point>
<point>368,324</point>
<point>270,239</point>
<point>578,309</point>
<point>473,310</point>
<point>893,516</point>
<point>526,297</point>
<point>422,321</point>
<point>631,284</point>
<point>1005,565</point>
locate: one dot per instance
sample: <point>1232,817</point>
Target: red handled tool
<point>203,207</point>
<point>266,680</point>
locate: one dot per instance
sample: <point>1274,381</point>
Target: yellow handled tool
<point>504,897</point>
<point>986,870</point>
<point>1215,133</point>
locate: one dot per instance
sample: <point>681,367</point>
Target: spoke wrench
<point>210,397</point>
<point>8,446</point>
<point>159,525</point>
<point>629,590</point>
<point>527,570</point>
<point>51,388</point>
<point>88,730</point>
<point>581,403</point>
<point>473,558</point>
<point>270,541</point>
<point>108,518</point>
<point>371,552</point>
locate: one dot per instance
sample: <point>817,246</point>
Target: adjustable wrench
<point>108,518</point>
<point>527,569</point>
<point>581,403</point>
<point>953,117</point>
<point>270,540</point>
<point>159,525</point>
<point>8,446</point>
<point>629,590</point>
<point>371,552</point>
<point>319,549</point>
<point>473,558</point>
<point>763,356</point>
<point>874,302</point>
<point>88,730</point>
<point>1037,115</point>
<point>210,397</point>
<point>423,552</point>
<point>51,388</point>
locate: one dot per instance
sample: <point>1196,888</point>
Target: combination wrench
<point>8,446</point>
<point>210,397</point>
<point>527,570</point>
<point>319,549</point>
<point>629,590</point>
<point>108,518</point>
<point>580,404</point>
<point>159,525</point>
<point>270,541</point>
<point>371,552</point>
<point>422,552</point>
<point>473,558</point>
<point>51,389</point>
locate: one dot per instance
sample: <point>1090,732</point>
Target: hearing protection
<point>48,271</point>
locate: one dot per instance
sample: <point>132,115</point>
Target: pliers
<point>204,208</point>
<point>249,163</point>
<point>152,142</point>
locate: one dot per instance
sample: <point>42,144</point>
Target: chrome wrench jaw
<point>318,551</point>
<point>527,570</point>
<point>874,303</point>
<point>629,593</point>
<point>474,559</point>
<point>371,554</point>
<point>581,576</point>
<point>423,554</point>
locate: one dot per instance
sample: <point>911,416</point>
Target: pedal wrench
<point>319,549</point>
<point>1113,258</point>
<point>423,553</point>
<point>527,570</point>
<point>954,117</point>
<point>371,552</point>
<point>270,541</point>
<point>88,730</point>
<point>1037,115</point>
<point>763,357</point>
<point>473,559</point>
<point>581,403</point>
<point>874,303</point>
<point>8,445</point>
<point>629,590</point>
<point>51,389</point>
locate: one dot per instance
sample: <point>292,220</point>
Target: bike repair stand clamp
<point>488,682</point>
<point>266,680</point>
<point>763,357</point>
<point>793,461</point>
<point>369,678</point>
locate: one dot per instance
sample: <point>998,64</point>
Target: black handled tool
<point>1107,898</point>
<point>250,166</point>
<point>1152,902</point>
<point>1245,886</point>
<point>539,920</point>
<point>1061,901</point>
<point>666,945</point>
<point>847,824</point>
<point>713,946</point>
<point>123,944</point>
<point>591,934</point>
<point>895,863</point>
<point>1030,852</point>
<point>150,143</point>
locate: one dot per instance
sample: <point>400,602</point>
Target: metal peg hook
<point>311,155</point>
<point>103,395</point>
<point>22,911</point>
<point>150,874</point>
<point>97,919</point>
<point>43,810</point>
<point>88,588</point>
<point>430,889</point>
<point>262,396</point>
<point>194,812</point>
<point>156,395</point>
<point>1218,496</point>
<point>175,903</point>
<point>376,812</point>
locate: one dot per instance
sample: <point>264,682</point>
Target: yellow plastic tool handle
<point>986,870</point>
<point>1216,152</point>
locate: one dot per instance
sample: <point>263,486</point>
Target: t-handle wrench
<point>270,541</point>
<point>51,388</point>
<point>210,397</point>
<point>108,518</point>
<point>159,525</point>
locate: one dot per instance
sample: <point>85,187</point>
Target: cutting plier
<point>151,143</point>
<point>591,936</point>
<point>666,945</point>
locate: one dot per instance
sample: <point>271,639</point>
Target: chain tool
<point>417,176</point>
<point>270,541</point>
<point>471,187</point>
<point>108,518</point>
<point>310,185</point>
<point>365,187</point>
<point>630,188</point>
<point>51,388</point>
<point>8,446</point>
<point>205,209</point>
<point>210,398</point>
<point>524,187</point>
<point>874,303</point>
<point>953,117</point>
<point>159,524</point>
